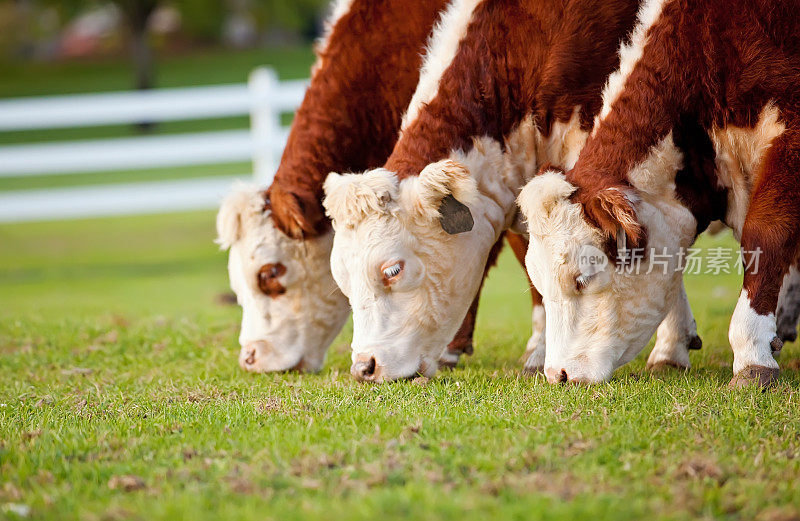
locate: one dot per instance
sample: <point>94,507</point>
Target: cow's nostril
<point>364,368</point>
<point>251,357</point>
<point>369,367</point>
<point>562,377</point>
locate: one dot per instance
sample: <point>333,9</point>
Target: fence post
<point>265,124</point>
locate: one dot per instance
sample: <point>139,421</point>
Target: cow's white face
<point>291,307</point>
<point>599,315</point>
<point>409,282</point>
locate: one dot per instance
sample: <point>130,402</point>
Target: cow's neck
<point>461,113</point>
<point>644,113</point>
<point>518,63</point>
<point>464,124</point>
<point>366,71</point>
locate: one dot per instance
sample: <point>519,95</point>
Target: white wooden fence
<point>263,98</point>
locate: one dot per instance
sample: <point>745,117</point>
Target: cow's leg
<point>676,335</point>
<point>534,349</point>
<point>462,342</point>
<point>769,243</point>
<point>789,305</point>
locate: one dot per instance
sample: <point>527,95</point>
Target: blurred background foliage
<point>141,32</point>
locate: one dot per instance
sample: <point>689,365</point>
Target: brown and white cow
<point>280,240</point>
<point>788,312</point>
<point>733,69</point>
<point>506,86</point>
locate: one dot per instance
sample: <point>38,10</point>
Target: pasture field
<point>121,398</point>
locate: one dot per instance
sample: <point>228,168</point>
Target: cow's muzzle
<point>260,357</point>
<point>365,369</point>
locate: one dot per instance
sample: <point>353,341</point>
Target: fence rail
<point>130,153</point>
<point>116,199</point>
<point>263,98</point>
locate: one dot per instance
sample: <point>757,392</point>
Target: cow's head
<point>409,255</point>
<point>608,267</point>
<point>291,307</point>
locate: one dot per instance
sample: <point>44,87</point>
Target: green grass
<point>116,359</point>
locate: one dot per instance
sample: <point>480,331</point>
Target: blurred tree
<point>300,16</point>
<point>136,14</point>
<point>202,19</point>
<point>15,26</point>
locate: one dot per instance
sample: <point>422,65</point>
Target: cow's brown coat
<point>719,66</point>
<point>539,57</point>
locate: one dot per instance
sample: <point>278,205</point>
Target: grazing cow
<point>789,304</point>
<point>506,86</point>
<point>734,71</point>
<point>280,240</point>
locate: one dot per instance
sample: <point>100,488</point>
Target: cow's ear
<point>349,198</point>
<point>543,193</point>
<point>242,201</point>
<point>613,210</point>
<point>445,190</point>
<point>298,213</point>
<point>339,189</point>
<point>333,185</point>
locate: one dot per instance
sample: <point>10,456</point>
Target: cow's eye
<point>268,276</point>
<point>582,281</point>
<point>391,271</point>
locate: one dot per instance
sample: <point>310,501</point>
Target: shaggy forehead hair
<point>545,203</point>
<point>351,199</point>
<point>243,215</point>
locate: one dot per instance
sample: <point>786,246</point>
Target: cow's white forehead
<point>553,219</point>
<point>262,240</point>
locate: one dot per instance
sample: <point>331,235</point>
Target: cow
<point>788,312</point>
<point>733,71</point>
<point>505,87</point>
<point>279,239</point>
